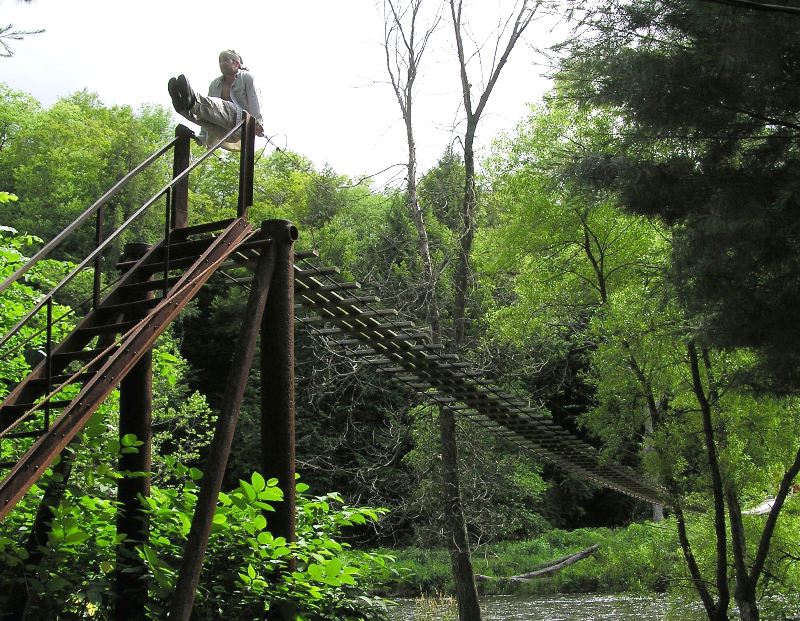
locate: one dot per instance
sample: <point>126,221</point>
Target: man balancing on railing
<point>228,95</point>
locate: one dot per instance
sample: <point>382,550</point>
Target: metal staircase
<point>43,413</point>
<point>105,345</point>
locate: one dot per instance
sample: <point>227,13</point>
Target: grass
<point>637,559</point>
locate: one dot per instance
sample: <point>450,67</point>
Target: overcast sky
<point>319,65</point>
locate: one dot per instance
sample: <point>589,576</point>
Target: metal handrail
<point>56,241</point>
<point>106,242</point>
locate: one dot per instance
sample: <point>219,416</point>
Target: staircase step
<point>199,229</point>
<point>128,308</point>
<point>153,268</point>
<point>112,328</point>
<point>147,285</point>
<point>58,380</point>
<point>85,355</point>
<point>177,250</point>
<point>19,408</point>
<point>186,248</point>
<point>15,435</point>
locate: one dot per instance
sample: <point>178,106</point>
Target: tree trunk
<point>403,53</point>
<point>548,569</point>
<point>466,238</point>
<point>747,604</point>
<point>455,525</point>
<point>716,485</point>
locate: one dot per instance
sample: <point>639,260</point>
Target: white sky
<point>319,65</point>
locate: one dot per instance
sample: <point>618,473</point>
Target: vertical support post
<point>180,191</point>
<point>135,417</point>
<point>247,165</point>
<point>167,242</point>
<point>277,379</point>
<point>48,362</point>
<point>98,239</point>
<point>217,460</point>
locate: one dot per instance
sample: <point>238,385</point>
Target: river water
<point>583,607</point>
<point>541,608</point>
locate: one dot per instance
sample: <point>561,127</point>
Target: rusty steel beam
<point>277,381</point>
<point>217,460</point>
<point>72,419</point>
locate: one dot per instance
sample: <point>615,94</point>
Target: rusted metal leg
<point>217,459</point>
<point>277,387</point>
<point>246,166</point>
<point>135,418</point>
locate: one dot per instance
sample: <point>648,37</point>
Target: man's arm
<point>253,104</point>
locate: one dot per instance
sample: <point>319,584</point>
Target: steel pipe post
<point>277,379</point>
<point>247,165</point>
<point>217,459</point>
<point>135,418</point>
<point>180,192</point>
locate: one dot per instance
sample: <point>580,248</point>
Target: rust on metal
<point>117,365</point>
<point>217,460</point>
<point>180,191</point>
<point>277,380</point>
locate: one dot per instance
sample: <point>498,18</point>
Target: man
<point>228,96</point>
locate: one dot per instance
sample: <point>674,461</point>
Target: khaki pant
<point>216,117</point>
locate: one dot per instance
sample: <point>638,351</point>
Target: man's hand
<point>259,130</point>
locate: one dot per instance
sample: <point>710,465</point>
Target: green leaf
<point>76,537</point>
<point>260,522</point>
<point>317,572</point>
<point>258,482</point>
<point>249,491</point>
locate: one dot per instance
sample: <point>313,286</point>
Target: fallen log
<point>547,569</point>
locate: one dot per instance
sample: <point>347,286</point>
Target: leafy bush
<point>639,558</point>
<point>74,578</point>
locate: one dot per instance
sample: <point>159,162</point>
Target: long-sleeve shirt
<point>244,93</point>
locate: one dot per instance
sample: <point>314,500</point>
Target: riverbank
<point>640,563</point>
<point>641,558</point>
<point>541,608</point>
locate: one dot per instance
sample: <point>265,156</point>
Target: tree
<point>7,33</point>
<point>405,46</point>
<point>587,273</point>
<point>707,102</point>
<point>60,160</point>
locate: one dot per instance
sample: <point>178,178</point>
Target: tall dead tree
<point>404,49</point>
<point>468,608</point>
<point>524,11</point>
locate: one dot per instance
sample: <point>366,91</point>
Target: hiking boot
<point>175,95</point>
<point>185,91</point>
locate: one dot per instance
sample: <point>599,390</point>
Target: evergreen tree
<point>707,97</point>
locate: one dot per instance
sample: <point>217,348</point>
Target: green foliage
<point>706,108</point>
<point>637,559</point>
<point>18,300</point>
<point>75,576</point>
<point>61,159</point>
<point>244,559</point>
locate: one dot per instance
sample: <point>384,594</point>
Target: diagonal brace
<point>217,460</point>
